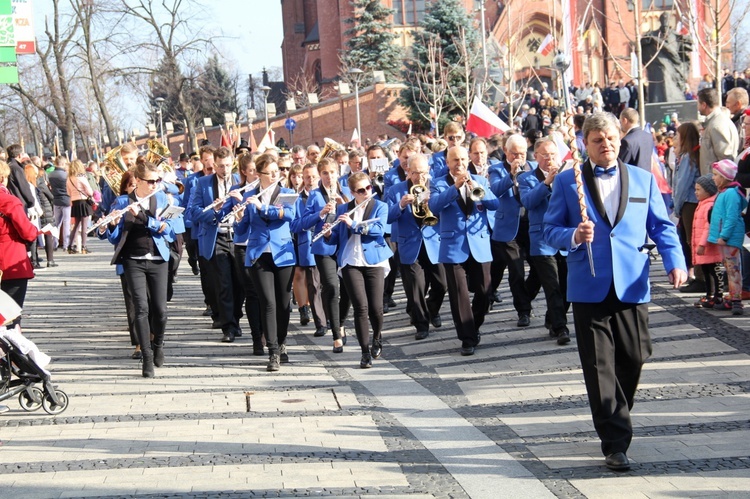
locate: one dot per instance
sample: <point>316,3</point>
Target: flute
<point>223,199</point>
<point>244,203</point>
<point>114,215</point>
<point>338,220</point>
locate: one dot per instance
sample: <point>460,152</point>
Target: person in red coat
<point>15,231</point>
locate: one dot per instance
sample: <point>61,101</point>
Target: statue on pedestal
<point>668,72</point>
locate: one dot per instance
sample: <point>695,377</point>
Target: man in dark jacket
<point>637,145</point>
<point>58,179</point>
<point>17,183</point>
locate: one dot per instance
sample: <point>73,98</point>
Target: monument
<point>666,57</point>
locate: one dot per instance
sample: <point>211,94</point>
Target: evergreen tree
<point>372,46</point>
<point>219,91</point>
<point>448,37</point>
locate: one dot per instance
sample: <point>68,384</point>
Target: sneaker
<point>737,308</point>
<point>283,356</point>
<point>273,363</point>
<point>51,264</point>
<point>523,320</point>
<point>723,305</point>
<point>704,303</point>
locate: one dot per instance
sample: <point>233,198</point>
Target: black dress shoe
<point>524,320</point>
<point>466,351</point>
<point>421,335</point>
<point>563,337</point>
<point>391,303</point>
<point>216,325</point>
<point>617,461</point>
<point>386,308</point>
<point>436,321</point>
<point>137,355</point>
<point>195,270</point>
<point>694,286</point>
<point>497,297</point>
<point>228,337</point>
<point>208,312</point>
<point>321,331</point>
<point>258,349</point>
<point>377,349</point>
<point>366,361</point>
<point>338,349</point>
<point>238,333</point>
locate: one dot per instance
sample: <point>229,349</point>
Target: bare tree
<point>54,99</point>
<point>429,82</point>
<point>465,70</point>
<point>298,89</point>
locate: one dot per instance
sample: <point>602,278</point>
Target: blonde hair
<point>76,168</point>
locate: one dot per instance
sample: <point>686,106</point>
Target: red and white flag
<point>483,122</point>
<point>547,45</point>
<point>268,141</point>
<point>355,137</point>
<point>682,29</point>
<point>563,150</point>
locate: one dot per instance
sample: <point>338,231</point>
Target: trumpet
<point>114,215</point>
<point>338,220</point>
<point>241,206</point>
<point>220,201</point>
<point>420,208</point>
<point>477,191</point>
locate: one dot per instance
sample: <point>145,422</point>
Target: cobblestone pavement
<point>424,422</point>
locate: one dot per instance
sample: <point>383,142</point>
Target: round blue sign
<point>290,124</point>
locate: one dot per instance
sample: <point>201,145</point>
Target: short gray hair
<point>599,122</point>
<point>516,139</point>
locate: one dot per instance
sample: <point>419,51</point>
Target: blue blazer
<point>119,234</point>
<point>305,257</point>
<point>311,219</point>
<point>374,246</point>
<point>508,214</point>
<point>203,194</point>
<point>464,230</point>
<point>240,234</point>
<point>438,166</point>
<point>535,198</point>
<point>393,176</point>
<point>410,236</point>
<point>617,247</point>
<point>266,228</point>
<point>190,182</point>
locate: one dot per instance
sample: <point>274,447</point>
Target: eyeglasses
<point>270,174</point>
<point>151,181</point>
<point>454,138</point>
<point>363,190</point>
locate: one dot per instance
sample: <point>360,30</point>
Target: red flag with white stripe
<point>547,45</point>
<point>483,122</point>
<point>562,148</point>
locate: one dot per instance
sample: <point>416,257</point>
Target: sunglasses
<point>363,190</point>
<point>151,182</point>
<point>454,138</point>
<point>282,169</point>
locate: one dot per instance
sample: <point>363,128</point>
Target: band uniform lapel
<point>588,176</point>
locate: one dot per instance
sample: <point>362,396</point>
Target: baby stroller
<point>19,374</point>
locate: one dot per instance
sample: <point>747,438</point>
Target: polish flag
<point>547,45</point>
<point>682,29</point>
<point>563,150</point>
<point>355,137</point>
<point>483,122</point>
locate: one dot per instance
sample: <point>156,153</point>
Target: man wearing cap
<point>610,300</point>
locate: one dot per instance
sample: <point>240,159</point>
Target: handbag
<point>89,200</point>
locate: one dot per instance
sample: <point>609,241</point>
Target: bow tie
<point>599,171</point>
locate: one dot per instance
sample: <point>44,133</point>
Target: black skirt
<point>81,209</point>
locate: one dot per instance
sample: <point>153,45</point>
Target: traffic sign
<point>290,124</point>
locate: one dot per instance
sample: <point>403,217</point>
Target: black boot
<point>159,355</point>
<point>148,362</point>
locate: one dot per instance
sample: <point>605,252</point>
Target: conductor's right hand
<point>584,232</point>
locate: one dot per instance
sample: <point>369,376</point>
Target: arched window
<point>408,12</point>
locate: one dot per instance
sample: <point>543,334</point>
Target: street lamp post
<point>160,102</point>
<point>562,63</point>
<point>635,8</point>
<point>266,90</point>
<point>356,74</point>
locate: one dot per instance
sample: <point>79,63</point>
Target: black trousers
<point>16,289</point>
<point>553,274</point>
<point>613,343</point>
<point>334,296</point>
<point>175,252</point>
<point>129,310</point>
<point>252,301</point>
<point>191,245</point>
<point>314,295</point>
<point>274,286</point>
<point>468,314</point>
<point>226,285</point>
<point>419,277</point>
<point>514,253</point>
<point>147,282</point>
<point>390,279</point>
<point>365,288</point>
<point>497,267</point>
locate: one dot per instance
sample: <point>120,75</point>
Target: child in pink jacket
<point>706,254</point>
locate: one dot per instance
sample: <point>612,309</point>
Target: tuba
<point>330,147</point>
<point>419,206</point>
<point>158,154</point>
<point>112,168</point>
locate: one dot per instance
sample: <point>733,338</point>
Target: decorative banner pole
<point>582,206</point>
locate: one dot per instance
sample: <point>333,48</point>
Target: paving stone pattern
<point>424,422</point>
